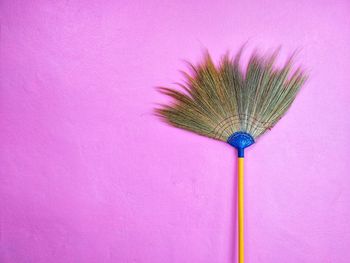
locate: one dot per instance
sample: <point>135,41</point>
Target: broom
<point>228,104</point>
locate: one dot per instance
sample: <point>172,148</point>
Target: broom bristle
<point>218,101</point>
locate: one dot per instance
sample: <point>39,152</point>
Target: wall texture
<point>87,174</point>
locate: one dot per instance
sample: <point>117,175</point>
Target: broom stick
<point>241,209</point>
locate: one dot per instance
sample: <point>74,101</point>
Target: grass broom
<point>233,105</point>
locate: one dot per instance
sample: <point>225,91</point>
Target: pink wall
<point>87,174</point>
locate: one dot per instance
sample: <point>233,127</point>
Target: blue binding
<point>240,140</point>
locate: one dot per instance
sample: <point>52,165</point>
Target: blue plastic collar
<point>240,140</point>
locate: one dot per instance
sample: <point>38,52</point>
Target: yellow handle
<point>240,210</point>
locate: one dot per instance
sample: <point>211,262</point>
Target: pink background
<point>89,175</point>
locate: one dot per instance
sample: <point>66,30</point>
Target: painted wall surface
<point>88,174</point>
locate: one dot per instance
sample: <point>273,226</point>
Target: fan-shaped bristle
<point>218,101</point>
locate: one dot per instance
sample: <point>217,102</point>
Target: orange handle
<point>240,210</point>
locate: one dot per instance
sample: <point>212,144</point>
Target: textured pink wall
<point>89,175</point>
